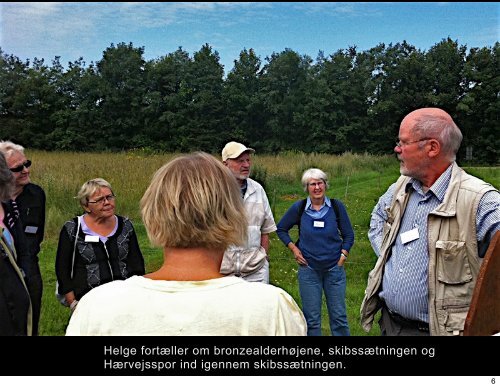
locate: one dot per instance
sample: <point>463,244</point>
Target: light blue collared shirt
<point>8,239</point>
<point>317,214</point>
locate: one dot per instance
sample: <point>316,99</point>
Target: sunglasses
<point>20,168</point>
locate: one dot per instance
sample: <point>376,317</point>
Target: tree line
<point>350,100</point>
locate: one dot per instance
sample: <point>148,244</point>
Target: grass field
<point>357,180</point>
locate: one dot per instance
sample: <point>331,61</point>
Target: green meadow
<point>357,180</point>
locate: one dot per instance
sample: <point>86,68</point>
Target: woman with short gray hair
<point>30,202</point>
<point>316,174</point>
<point>325,239</point>
<point>15,303</point>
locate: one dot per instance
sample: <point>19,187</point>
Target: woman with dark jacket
<point>106,247</point>
<point>15,303</point>
<point>29,207</point>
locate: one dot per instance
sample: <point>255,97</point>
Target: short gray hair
<point>6,180</point>
<point>8,148</point>
<point>313,173</point>
<point>89,188</point>
<point>445,131</point>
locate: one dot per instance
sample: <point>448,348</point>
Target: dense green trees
<point>346,101</point>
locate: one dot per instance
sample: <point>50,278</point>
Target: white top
<point>259,214</point>
<point>223,306</point>
<point>251,257</point>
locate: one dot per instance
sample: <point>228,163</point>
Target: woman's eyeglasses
<point>20,168</point>
<point>314,184</point>
<point>108,198</point>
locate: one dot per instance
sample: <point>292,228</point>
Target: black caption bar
<point>225,356</point>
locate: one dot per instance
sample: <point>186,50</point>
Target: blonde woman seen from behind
<point>192,209</point>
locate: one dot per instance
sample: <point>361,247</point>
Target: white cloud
<point>57,20</point>
<point>34,9</point>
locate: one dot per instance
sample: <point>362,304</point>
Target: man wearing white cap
<point>250,261</point>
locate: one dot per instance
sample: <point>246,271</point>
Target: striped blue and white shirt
<point>405,281</point>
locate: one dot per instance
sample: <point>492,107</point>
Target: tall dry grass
<point>61,174</point>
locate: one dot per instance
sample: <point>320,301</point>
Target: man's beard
<point>243,176</point>
<point>416,172</point>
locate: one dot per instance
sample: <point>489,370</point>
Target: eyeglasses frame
<point>316,184</point>
<point>109,198</point>
<point>402,145</point>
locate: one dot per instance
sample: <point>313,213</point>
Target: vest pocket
<point>454,288</point>
<point>452,263</point>
<point>452,321</point>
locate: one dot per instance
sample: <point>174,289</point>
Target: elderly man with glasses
<point>29,205</point>
<point>430,231</point>
<point>249,261</point>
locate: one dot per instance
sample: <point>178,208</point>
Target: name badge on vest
<point>411,235</point>
<point>91,238</point>
<point>319,224</point>
<point>31,229</point>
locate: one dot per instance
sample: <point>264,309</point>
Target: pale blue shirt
<point>404,284</point>
<point>8,239</point>
<point>317,214</point>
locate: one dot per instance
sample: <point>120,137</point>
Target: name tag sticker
<point>319,224</point>
<point>91,238</point>
<point>31,229</point>
<point>411,235</point>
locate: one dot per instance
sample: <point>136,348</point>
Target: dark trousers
<point>393,325</point>
<point>35,289</point>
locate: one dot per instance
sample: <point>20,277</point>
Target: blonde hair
<point>194,201</point>
<point>89,188</point>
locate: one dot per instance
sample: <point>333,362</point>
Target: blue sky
<point>78,29</point>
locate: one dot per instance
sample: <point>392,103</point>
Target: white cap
<point>232,150</point>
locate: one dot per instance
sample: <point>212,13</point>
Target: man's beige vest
<point>453,253</point>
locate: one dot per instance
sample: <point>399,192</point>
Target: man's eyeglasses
<point>314,184</point>
<point>20,168</point>
<point>402,144</point>
<point>108,198</point>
